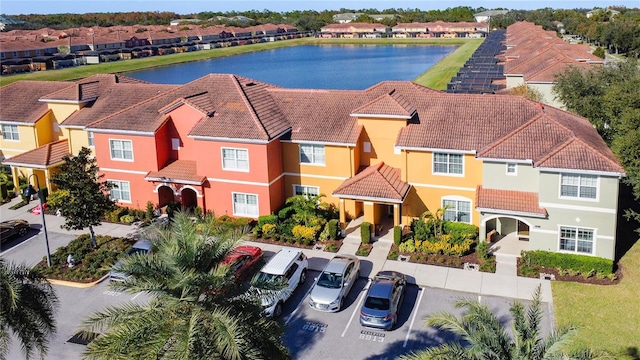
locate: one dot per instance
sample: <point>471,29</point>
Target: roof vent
<point>211,113</point>
<point>250,84</point>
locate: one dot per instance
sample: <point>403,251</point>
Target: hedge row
<point>581,263</point>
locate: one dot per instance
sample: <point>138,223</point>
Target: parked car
<point>383,300</point>
<point>242,259</point>
<point>333,284</point>
<point>11,228</point>
<point>288,266</point>
<point>139,247</point>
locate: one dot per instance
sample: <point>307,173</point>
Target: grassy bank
<point>155,61</point>
<point>608,316</point>
<point>437,76</point>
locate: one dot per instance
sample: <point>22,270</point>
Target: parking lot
<point>310,334</point>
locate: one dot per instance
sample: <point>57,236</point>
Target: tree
<point>188,316</point>
<point>84,197</point>
<point>486,337</point>
<point>27,306</point>
<point>527,91</point>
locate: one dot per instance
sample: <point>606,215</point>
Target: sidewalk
<point>503,284</point>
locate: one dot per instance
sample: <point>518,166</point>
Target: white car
<point>288,266</point>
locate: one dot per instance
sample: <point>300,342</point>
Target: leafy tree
<point>27,306</point>
<point>485,336</point>
<point>599,52</point>
<point>196,309</point>
<point>85,198</point>
<point>527,91</point>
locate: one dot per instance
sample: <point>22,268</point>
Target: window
<point>447,163</point>
<point>579,186</point>
<point>90,137</point>
<point>235,159</point>
<point>10,132</point>
<point>122,191</point>
<point>576,240</point>
<point>306,190</point>
<point>27,53</point>
<point>245,205</point>
<point>367,147</point>
<point>38,53</point>
<point>175,144</point>
<point>121,149</point>
<point>457,210</point>
<point>512,169</point>
<point>312,154</point>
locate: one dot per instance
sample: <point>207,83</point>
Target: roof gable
<point>380,181</point>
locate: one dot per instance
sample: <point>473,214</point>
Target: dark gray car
<point>383,300</point>
<point>140,247</point>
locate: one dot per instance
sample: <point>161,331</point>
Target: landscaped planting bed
<point>568,267</point>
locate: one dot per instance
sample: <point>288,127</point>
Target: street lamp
<point>29,191</point>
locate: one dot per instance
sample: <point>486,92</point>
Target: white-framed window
<point>27,53</point>
<point>579,186</point>
<point>121,150</point>
<point>90,138</point>
<point>512,169</point>
<point>37,52</point>
<point>444,163</point>
<point>122,191</point>
<point>245,204</point>
<point>312,154</point>
<point>10,132</point>
<point>575,239</point>
<point>306,190</point>
<point>15,54</point>
<point>235,159</point>
<point>457,210</point>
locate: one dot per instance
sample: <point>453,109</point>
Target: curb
<point>77,284</point>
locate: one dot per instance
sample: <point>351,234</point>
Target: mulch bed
<point>579,278</point>
<point>337,243</point>
<point>364,249</point>
<point>440,260</point>
<point>63,271</point>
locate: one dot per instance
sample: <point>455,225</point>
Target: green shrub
<point>365,232</point>
<point>489,265</point>
<point>407,246</point>
<point>148,213</point>
<point>333,227</point>
<point>397,235</point>
<point>483,250</point>
<point>331,247</point>
<point>458,228</point>
<point>574,262</point>
<point>363,251</point>
<point>393,255</point>
<point>127,219</point>
<point>421,229</point>
<point>530,271</point>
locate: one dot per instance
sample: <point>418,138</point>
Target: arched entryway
<point>165,195</point>
<point>189,199</point>
<point>508,235</point>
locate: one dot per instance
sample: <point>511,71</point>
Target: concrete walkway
<point>503,283</point>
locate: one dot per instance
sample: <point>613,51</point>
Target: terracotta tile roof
<point>466,122</point>
<point>89,88</point>
<point>556,139</point>
<point>115,97</point>
<point>376,182</point>
<point>179,171</point>
<point>508,200</point>
<point>45,156</point>
<point>232,107</point>
<point>15,97</point>
<point>388,105</point>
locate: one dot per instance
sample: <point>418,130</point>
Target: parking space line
<point>413,319</point>
<point>357,309</point>
<point>138,294</point>
<point>298,306</point>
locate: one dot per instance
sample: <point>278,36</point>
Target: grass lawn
<point>441,73</point>
<point>608,317</point>
<point>154,61</point>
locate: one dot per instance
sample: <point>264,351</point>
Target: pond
<point>347,67</point>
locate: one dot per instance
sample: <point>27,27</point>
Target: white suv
<point>289,266</point>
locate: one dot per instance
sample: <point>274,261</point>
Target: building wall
<point>382,134</point>
<point>27,141</point>
<point>496,177</point>
<point>78,138</point>
<point>548,97</point>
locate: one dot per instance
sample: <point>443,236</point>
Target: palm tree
<point>485,337</point>
<point>196,310</point>
<point>437,219</point>
<point>27,307</point>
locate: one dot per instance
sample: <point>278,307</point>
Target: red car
<point>242,260</point>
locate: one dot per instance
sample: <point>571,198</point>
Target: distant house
<point>4,21</point>
<point>485,16</point>
<point>181,21</point>
<point>612,13</point>
<point>346,17</point>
